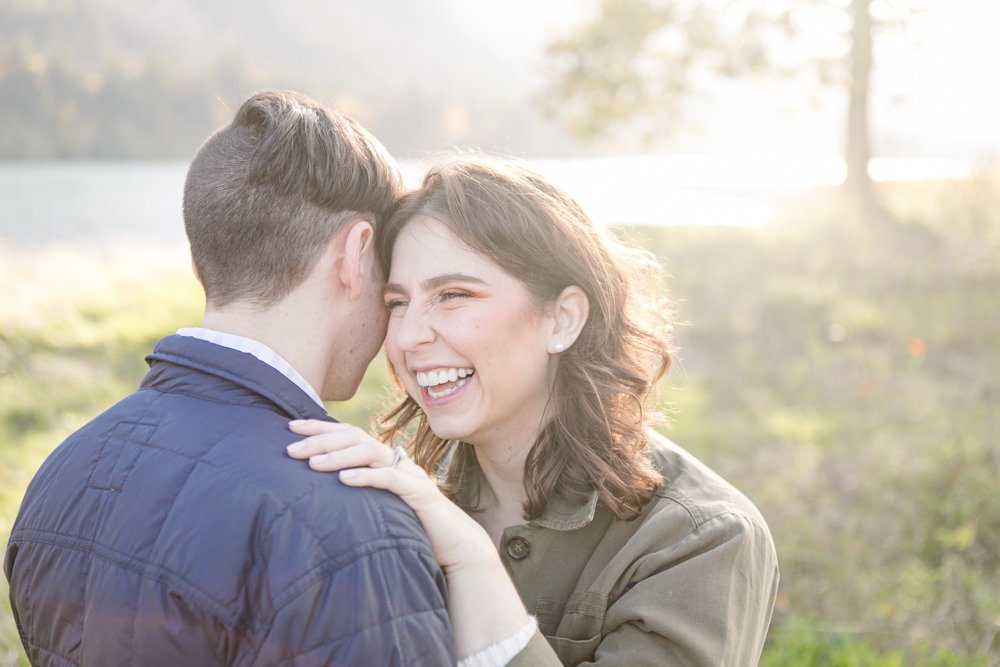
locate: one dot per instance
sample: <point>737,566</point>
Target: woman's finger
<point>368,453</point>
<point>329,441</point>
<point>317,426</point>
<point>417,490</point>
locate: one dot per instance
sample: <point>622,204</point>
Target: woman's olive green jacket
<point>691,581</point>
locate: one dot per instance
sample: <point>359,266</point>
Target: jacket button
<point>518,548</point>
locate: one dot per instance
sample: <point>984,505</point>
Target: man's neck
<point>256,349</point>
<point>256,326</point>
<point>284,333</point>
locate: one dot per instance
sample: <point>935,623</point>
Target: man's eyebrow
<point>435,282</point>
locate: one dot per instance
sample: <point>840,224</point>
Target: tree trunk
<point>858,183</point>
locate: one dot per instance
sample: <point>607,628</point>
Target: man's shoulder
<point>232,532</point>
<point>175,464</point>
<point>243,457</point>
<point>292,494</point>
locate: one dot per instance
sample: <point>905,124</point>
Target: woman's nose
<point>412,329</point>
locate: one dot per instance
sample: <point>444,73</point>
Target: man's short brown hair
<point>266,193</point>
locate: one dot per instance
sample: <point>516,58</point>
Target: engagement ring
<point>398,454</point>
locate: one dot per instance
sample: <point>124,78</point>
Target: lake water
<point>44,203</point>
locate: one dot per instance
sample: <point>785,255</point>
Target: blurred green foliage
<point>845,376</point>
<point>801,641</point>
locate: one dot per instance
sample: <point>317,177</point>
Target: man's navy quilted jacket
<point>173,530</point>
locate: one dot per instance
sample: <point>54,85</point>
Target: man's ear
<point>569,314</point>
<point>358,239</point>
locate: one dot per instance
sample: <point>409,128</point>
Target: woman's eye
<point>452,294</point>
<point>392,304</point>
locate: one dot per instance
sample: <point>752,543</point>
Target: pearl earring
<point>559,347</point>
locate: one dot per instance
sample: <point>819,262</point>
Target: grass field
<point>844,375</point>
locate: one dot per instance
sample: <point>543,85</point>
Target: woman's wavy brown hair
<point>604,383</point>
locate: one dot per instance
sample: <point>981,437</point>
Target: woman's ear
<point>569,314</point>
<point>358,242</point>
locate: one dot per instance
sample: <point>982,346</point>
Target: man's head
<point>280,208</point>
<point>265,195</point>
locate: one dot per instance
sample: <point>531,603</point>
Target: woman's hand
<point>458,541</point>
<point>483,604</point>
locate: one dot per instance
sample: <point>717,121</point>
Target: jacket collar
<point>562,514</point>
<point>235,374</point>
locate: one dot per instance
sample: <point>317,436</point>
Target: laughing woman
<point>529,344</point>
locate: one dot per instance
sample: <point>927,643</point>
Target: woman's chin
<point>446,429</point>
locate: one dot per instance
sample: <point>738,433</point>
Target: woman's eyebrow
<point>445,278</point>
<point>435,283</point>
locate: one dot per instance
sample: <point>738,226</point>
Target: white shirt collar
<point>258,350</point>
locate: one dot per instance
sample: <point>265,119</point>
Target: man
<point>173,529</point>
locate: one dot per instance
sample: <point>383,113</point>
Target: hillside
<point>113,79</point>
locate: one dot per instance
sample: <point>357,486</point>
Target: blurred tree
<point>636,60</point>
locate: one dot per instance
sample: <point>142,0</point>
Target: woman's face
<point>467,340</point>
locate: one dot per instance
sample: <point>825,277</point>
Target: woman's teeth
<point>441,376</point>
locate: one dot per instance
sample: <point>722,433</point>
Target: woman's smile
<point>443,383</point>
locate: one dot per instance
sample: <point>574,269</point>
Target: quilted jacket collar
<point>224,375</point>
